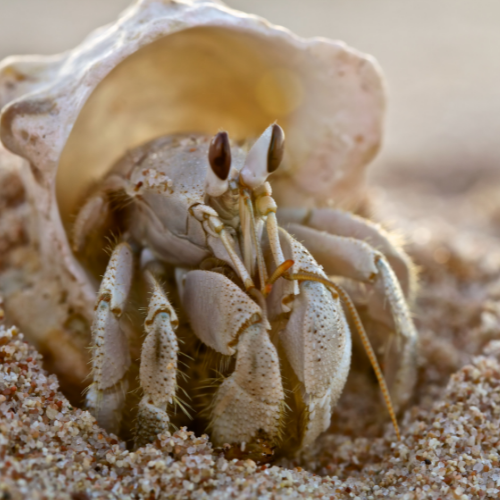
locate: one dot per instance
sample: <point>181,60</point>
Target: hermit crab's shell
<point>184,66</point>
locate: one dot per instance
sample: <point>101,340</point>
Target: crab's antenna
<point>279,271</point>
<point>339,291</point>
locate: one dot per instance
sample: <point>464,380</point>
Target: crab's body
<point>231,259</point>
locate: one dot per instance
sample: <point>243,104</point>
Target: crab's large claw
<point>249,403</point>
<point>316,339</point>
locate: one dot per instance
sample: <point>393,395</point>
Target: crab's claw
<point>316,341</point>
<point>249,403</point>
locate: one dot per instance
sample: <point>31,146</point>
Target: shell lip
<point>62,66</point>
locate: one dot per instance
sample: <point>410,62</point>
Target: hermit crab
<point>210,264</point>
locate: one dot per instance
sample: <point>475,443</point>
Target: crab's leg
<point>340,223</point>
<point>111,357</point>
<point>351,258</point>
<point>250,401</point>
<point>158,373</point>
<point>94,213</point>
<point>316,339</point>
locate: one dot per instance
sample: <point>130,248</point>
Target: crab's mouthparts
<point>257,211</point>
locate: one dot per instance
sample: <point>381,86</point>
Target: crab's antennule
<point>264,156</point>
<point>219,158</point>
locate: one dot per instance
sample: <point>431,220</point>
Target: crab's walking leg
<point>94,213</point>
<point>357,260</point>
<point>340,223</point>
<point>158,373</point>
<point>250,401</point>
<point>111,358</point>
<point>405,366</point>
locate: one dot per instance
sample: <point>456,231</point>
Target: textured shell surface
<point>184,66</point>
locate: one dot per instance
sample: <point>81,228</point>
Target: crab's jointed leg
<point>250,401</point>
<point>94,213</point>
<point>111,358</point>
<point>340,223</point>
<point>158,372</point>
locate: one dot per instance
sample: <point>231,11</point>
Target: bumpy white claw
<point>249,402</point>
<point>317,341</point>
<point>111,359</point>
<point>218,310</point>
<point>158,373</point>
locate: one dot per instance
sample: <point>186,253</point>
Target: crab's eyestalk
<point>219,158</point>
<point>264,157</point>
<point>276,148</point>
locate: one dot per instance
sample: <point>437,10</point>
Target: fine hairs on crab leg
<point>111,360</point>
<point>158,369</point>
<point>340,223</point>
<point>339,291</point>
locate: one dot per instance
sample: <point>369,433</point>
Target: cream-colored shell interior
<point>197,80</point>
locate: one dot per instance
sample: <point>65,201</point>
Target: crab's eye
<point>264,157</point>
<point>219,158</point>
<point>219,155</point>
<point>276,148</point>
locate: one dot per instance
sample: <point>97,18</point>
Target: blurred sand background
<point>441,59</point>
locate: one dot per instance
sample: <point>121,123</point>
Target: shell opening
<point>197,80</point>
